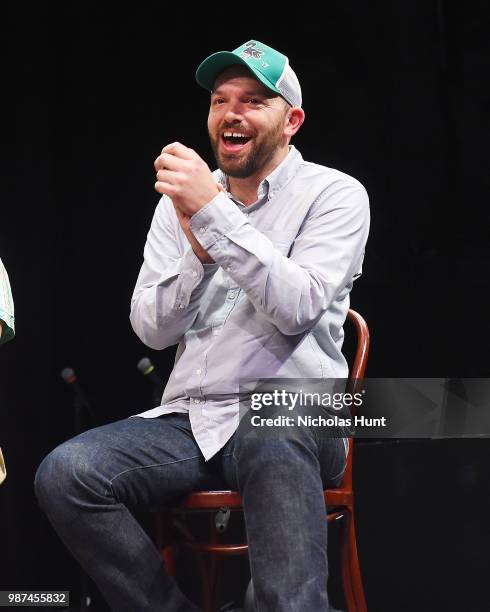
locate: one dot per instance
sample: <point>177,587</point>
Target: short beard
<point>258,158</point>
<point>253,163</point>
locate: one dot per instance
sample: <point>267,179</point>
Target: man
<point>249,270</point>
<point>7,331</point>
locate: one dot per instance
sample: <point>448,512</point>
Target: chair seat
<point>213,500</point>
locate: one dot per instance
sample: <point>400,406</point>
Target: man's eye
<point>219,101</point>
<point>254,101</point>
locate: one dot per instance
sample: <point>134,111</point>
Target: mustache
<point>228,124</point>
<point>235,125</point>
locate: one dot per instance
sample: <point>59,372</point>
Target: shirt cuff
<point>195,269</point>
<point>193,274</point>
<point>216,219</point>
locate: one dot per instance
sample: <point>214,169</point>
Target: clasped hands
<point>185,177</point>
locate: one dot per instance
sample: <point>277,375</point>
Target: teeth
<point>234,134</point>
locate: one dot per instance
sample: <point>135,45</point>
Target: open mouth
<point>234,141</point>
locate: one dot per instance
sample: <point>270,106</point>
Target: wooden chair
<point>219,504</point>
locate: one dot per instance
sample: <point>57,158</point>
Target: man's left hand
<point>185,178</point>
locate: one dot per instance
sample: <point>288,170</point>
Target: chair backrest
<point>356,377</point>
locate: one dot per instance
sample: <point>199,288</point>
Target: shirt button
<point>198,371</point>
<point>203,229</point>
<point>181,306</point>
<point>228,268</point>
<point>194,273</point>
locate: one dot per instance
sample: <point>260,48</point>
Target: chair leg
<point>217,582</point>
<point>351,572</point>
<point>168,555</point>
<point>207,585</point>
<point>215,567</point>
<point>164,540</point>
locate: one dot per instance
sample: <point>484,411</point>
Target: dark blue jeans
<point>88,486</point>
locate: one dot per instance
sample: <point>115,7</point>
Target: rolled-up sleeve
<point>170,284</point>
<point>293,291</point>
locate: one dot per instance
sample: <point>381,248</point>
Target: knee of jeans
<point>61,470</point>
<point>284,452</point>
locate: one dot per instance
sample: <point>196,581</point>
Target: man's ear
<point>295,118</point>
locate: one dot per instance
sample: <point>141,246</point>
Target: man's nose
<point>233,113</point>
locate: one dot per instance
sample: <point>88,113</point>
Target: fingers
<point>170,176</point>
<point>169,182</point>
<point>181,173</point>
<point>177,151</point>
<point>165,189</point>
<point>168,161</point>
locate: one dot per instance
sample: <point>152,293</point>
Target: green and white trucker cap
<point>266,64</point>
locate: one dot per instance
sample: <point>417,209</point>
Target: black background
<point>395,94</point>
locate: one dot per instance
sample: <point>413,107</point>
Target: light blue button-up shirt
<point>272,306</point>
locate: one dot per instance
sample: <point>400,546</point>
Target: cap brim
<point>214,65</point>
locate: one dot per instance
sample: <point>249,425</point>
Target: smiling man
<point>248,269</point>
<point>254,145</point>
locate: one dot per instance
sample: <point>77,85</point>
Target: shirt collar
<point>277,179</point>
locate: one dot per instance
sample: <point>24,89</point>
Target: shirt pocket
<point>281,239</point>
